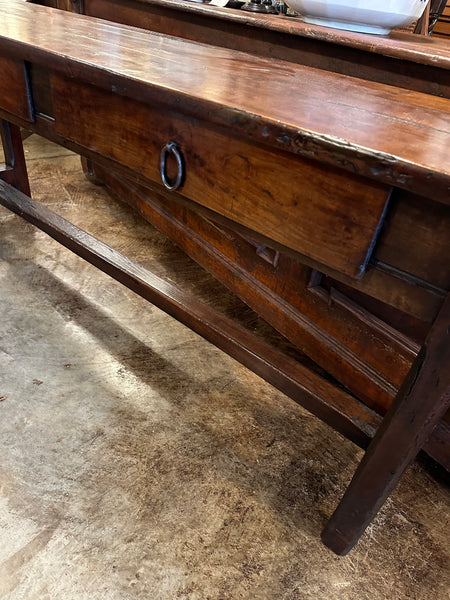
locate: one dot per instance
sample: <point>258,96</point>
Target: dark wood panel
<point>14,88</point>
<point>416,239</point>
<point>39,78</point>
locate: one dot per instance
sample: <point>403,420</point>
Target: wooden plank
<point>14,88</point>
<point>369,57</point>
<point>322,212</point>
<point>398,44</point>
<point>392,135</point>
<point>320,397</point>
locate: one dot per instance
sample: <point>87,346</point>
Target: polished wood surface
<point>398,44</point>
<point>296,202</point>
<point>399,59</point>
<point>383,133</point>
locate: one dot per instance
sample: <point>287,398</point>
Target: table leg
<point>421,401</point>
<point>14,171</point>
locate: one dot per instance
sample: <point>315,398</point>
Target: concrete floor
<point>138,461</point>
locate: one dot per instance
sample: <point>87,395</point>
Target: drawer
<point>320,212</point>
<point>14,94</point>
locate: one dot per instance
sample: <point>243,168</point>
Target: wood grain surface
<point>398,44</point>
<point>13,88</point>
<point>393,60</point>
<point>381,132</point>
<point>321,212</point>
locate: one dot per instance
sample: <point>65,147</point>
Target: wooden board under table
<point>305,197</point>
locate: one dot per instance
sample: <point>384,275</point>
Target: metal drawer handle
<point>175,182</point>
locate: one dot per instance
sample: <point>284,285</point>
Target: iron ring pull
<point>175,182</point>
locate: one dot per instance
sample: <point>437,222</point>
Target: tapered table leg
<point>422,400</point>
<point>14,171</point>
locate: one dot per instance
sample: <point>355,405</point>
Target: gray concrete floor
<point>138,461</point>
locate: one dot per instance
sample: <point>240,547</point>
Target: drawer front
<point>320,212</point>
<point>14,94</point>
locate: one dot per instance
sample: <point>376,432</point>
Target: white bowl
<point>367,16</point>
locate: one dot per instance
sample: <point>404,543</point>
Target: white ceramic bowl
<point>367,16</point>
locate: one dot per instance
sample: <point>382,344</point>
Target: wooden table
<point>335,334</point>
<point>304,199</point>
